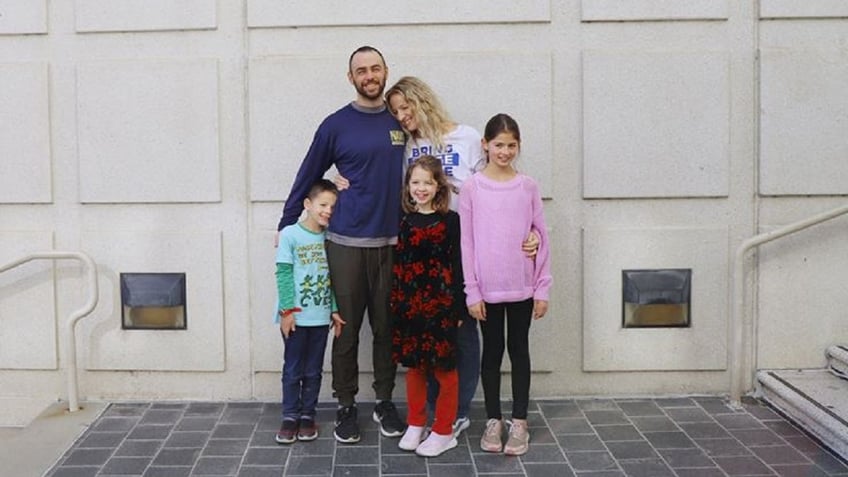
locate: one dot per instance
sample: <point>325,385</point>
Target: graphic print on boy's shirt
<point>304,250</point>
<point>313,288</point>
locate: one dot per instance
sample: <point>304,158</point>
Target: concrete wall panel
<point>27,303</point>
<point>656,124</point>
<point>145,15</point>
<point>807,9</point>
<point>804,122</point>
<point>148,131</point>
<point>200,347</point>
<point>801,305</point>
<point>607,346</point>
<point>284,113</point>
<point>298,13</point>
<point>25,173</point>
<point>642,10</point>
<point>20,17</point>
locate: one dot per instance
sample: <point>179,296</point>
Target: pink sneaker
<point>519,438</point>
<point>491,440</point>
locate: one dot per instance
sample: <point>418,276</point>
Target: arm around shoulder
<point>542,275</point>
<point>466,220</point>
<point>317,161</point>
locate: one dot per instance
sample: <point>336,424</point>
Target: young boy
<point>306,310</point>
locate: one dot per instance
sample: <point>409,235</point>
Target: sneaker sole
<point>383,431</point>
<point>349,440</point>
<point>515,452</point>
<point>492,449</point>
<point>308,438</point>
<point>285,441</point>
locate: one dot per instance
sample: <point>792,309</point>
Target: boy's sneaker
<point>287,433</point>
<point>386,415</point>
<point>347,429</point>
<point>460,425</point>
<point>519,438</point>
<point>491,440</point>
<point>306,429</point>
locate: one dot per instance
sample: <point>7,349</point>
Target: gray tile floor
<point>684,437</point>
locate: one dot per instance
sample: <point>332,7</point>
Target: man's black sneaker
<point>347,429</point>
<point>287,433</point>
<point>386,415</point>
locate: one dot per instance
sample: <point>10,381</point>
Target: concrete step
<point>20,411</point>
<point>814,398</point>
<point>32,450</point>
<point>837,360</point>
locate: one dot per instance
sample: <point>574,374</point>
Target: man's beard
<point>361,90</point>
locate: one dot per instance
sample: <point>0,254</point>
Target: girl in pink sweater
<point>504,287</point>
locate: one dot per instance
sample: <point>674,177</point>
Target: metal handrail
<point>88,307</point>
<point>740,376</point>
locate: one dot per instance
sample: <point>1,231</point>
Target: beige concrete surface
<point>20,411</point>
<point>30,451</point>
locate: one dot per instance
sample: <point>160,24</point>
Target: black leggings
<point>517,316</point>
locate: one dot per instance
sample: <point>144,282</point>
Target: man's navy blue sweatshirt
<point>367,147</point>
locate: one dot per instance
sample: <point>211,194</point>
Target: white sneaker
<point>436,445</point>
<point>411,438</point>
<point>460,425</point>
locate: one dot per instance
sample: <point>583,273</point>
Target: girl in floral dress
<point>428,304</point>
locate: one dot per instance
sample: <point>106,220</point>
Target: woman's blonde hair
<point>441,201</point>
<point>433,119</point>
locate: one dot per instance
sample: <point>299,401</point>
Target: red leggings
<point>416,397</point>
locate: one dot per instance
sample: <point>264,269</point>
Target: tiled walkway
<point>686,437</point>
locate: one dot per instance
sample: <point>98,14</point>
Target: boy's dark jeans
<point>302,367</point>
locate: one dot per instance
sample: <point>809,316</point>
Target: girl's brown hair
<point>441,201</point>
<point>501,123</point>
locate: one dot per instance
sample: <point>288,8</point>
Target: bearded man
<point>366,144</point>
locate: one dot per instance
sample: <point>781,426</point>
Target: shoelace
<point>492,428</point>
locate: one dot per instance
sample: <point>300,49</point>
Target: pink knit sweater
<point>495,219</point>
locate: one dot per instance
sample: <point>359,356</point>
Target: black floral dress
<point>427,291</point>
